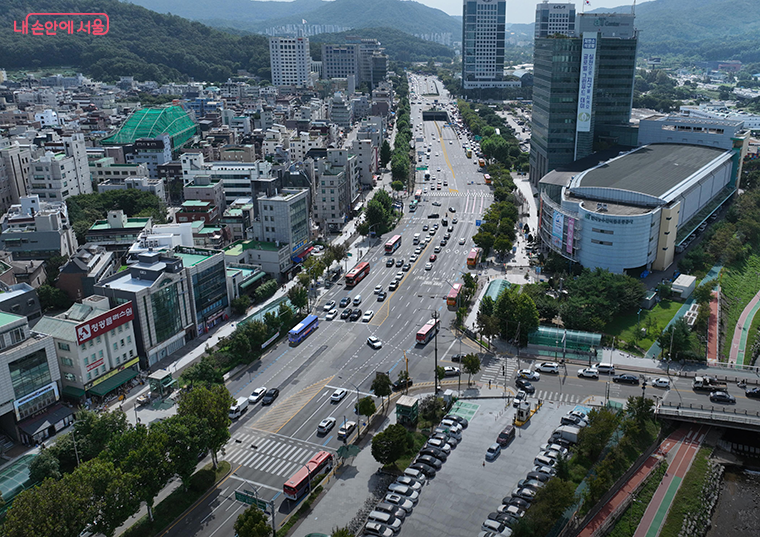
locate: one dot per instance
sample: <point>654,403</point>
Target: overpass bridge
<point>709,414</point>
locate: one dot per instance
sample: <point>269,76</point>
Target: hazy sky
<point>521,10</point>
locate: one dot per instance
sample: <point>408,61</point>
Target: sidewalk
<point>741,332</point>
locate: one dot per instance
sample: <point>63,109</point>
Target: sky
<point>522,11</point>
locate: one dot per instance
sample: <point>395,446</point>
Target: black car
<point>270,396</point>
<point>626,379</point>
<point>501,518</point>
<point>426,469</point>
<point>459,419</point>
<point>539,476</point>
<point>434,452</point>
<point>345,301</point>
<point>433,215</point>
<point>381,296</point>
<point>401,384</point>
<point>754,392</point>
<point>517,502</point>
<point>722,397</point>
<point>389,262</point>
<point>458,357</point>
<point>525,385</point>
<point>400,262</point>
<point>346,313</point>
<point>355,315</point>
<point>430,461</point>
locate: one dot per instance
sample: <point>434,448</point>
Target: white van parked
<point>606,368</point>
<point>240,406</point>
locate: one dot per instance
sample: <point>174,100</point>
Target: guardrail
<point>709,413</point>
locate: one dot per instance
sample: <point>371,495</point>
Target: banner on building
<point>104,323</point>
<point>586,85</point>
<point>557,226</point>
<point>570,235</point>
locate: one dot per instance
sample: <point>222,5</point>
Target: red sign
<point>65,23</point>
<point>95,365</point>
<point>105,322</point>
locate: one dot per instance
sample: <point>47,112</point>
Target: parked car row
<point>403,494</point>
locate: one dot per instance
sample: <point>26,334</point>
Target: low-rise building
<point>238,218</point>
<point>273,258</point>
<point>118,231</point>
<point>203,188</point>
<point>20,299</point>
<point>88,265</point>
<point>12,272</point>
<point>206,274</point>
<point>196,210</point>
<point>37,230</point>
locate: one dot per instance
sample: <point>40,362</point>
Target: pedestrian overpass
<point>709,414</point>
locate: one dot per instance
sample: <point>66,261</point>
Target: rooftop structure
<point>152,122</point>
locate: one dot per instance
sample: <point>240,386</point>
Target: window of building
<point>63,346</point>
<point>67,362</point>
<point>89,376</point>
<point>115,346</point>
<point>122,342</point>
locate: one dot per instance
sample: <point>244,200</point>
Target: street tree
<point>640,408</point>
<point>239,345</point>
<point>382,387</point>
<point>376,215</point>
<point>389,445</point>
<point>43,466</point>
<point>285,313</point>
<point>93,432</point>
<point>471,366</point>
<point>366,406</point>
<point>272,320</point>
<point>252,523</point>
<point>298,296</point>
<point>111,491</point>
<point>676,339</point>
<point>385,154</point>
<point>398,186</point>
<point>502,245</point>
<point>703,294</point>
<point>484,240</point>
<point>185,440</point>
<point>440,373</point>
<point>211,405</point>
<point>241,304</point>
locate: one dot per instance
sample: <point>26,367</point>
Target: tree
<point>382,387</point>
<point>185,441</point>
<point>389,445</point>
<point>398,186</point>
<point>502,245</point>
<point>52,298</point>
<point>239,346</point>
<point>112,495</point>
<point>241,304</point>
<point>484,240</point>
<point>703,294</point>
<point>211,405</point>
<point>385,154</point>
<point>676,339</point>
<point>431,408</point>
<point>341,532</point>
<point>471,366</point>
<point>93,432</point>
<point>298,296</point>
<point>286,316</point>
<point>552,500</point>
<point>204,372</point>
<point>252,523</point>
<point>641,409</point>
<point>366,406</point>
<point>43,466</point>
<point>272,320</point>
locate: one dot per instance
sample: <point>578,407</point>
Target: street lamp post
<point>358,416</point>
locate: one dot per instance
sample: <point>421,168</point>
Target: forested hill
<point>140,42</point>
<point>399,46</point>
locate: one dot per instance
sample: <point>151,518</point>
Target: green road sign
<point>250,499</point>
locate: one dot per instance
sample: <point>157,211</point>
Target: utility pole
<point>435,368</point>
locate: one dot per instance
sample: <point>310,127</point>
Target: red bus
<point>299,482</point>
<point>357,274</point>
<point>453,295</point>
<point>418,195</point>
<point>487,178</point>
<point>393,244</point>
<point>427,332</point>
<point>473,257</point>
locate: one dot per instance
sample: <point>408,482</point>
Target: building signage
<point>93,365</point>
<point>112,372</point>
<point>104,323</point>
<point>586,86</point>
<point>570,235</point>
<point>609,220</point>
<point>559,223</point>
<point>38,394</point>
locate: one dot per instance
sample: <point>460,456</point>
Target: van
<point>606,368</point>
<point>416,238</point>
<point>506,436</point>
<point>357,300</point>
<point>385,518</point>
<point>240,406</point>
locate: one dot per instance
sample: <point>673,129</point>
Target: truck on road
<point>707,384</point>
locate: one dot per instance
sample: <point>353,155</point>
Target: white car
<point>326,425</point>
<point>521,396</point>
<point>257,394</point>
<point>462,240</point>
<point>589,372</point>
<point>378,289</point>
<point>661,382</point>
<point>413,258</point>
<point>440,444</point>
<point>450,371</point>
<point>548,367</point>
<point>374,342</point>
<point>331,315</point>
<point>417,251</point>
<point>529,375</point>
<point>338,395</point>
<point>428,266</point>
<point>329,306</point>
<point>437,250</point>
<point>368,316</point>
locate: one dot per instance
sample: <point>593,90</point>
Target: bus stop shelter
<point>563,343</point>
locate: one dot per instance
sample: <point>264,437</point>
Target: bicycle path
<point>683,455</point>
<point>741,332</point>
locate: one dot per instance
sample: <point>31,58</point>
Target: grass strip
<point>689,497</point>
<point>626,526</point>
<point>167,511</point>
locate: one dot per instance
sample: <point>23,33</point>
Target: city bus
<point>428,330</point>
<point>393,244</point>
<point>482,163</point>
<point>473,257</point>
<point>469,153</point>
<point>453,296</point>
<point>487,178</point>
<point>418,195</point>
<point>413,205</point>
<point>357,274</point>
<point>300,331</point>
<point>299,483</point>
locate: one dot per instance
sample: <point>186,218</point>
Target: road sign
<point>477,222</point>
<point>349,254</point>
<point>248,498</point>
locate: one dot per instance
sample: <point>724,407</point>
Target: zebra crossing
<point>494,371</point>
<point>452,193</point>
<point>557,397</point>
<point>267,454</point>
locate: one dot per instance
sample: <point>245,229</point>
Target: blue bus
<point>303,329</point>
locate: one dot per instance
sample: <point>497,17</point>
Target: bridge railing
<point>709,413</point>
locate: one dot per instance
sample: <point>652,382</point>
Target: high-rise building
<point>582,89</point>
<point>290,60</point>
<point>483,24</point>
<point>363,58</point>
<point>554,18</point>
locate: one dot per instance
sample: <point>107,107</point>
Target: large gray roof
<point>653,170</point>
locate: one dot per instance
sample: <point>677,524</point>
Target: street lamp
<point>358,416</point>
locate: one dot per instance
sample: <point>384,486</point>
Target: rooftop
<point>132,223</point>
<point>152,122</point>
<point>8,318</point>
<point>652,170</point>
<point>237,248</point>
<point>190,260</point>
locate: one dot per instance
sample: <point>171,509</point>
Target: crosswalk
<point>494,371</point>
<point>452,193</point>
<point>267,454</point>
<point>558,397</point>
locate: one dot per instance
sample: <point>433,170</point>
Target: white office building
<point>290,60</point>
<point>483,43</point>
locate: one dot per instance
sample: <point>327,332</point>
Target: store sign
<point>104,323</point>
<point>41,393</point>
<point>586,86</point>
<point>112,372</point>
<point>570,235</point>
<point>557,225</point>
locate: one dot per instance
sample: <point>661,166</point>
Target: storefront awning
<point>73,392</point>
<point>35,425</point>
<point>257,277</point>
<point>112,383</point>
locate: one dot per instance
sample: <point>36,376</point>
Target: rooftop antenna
<point>633,8</point>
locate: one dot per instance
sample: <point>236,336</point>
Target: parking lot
<point>457,501</point>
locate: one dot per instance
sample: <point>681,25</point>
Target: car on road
<point>436,204</point>
<point>525,385</point>
<point>529,374</point>
<point>454,220</point>
<point>326,425</point>
<point>418,250</point>
<point>345,301</point>
<point>368,316</point>
<point>400,275</point>
<point>338,395</point>
<point>374,342</point>
<point>589,373</point>
<point>413,258</point>
<point>400,501</point>
<point>329,306</point>
<point>389,262</point>
<point>381,296</point>
<point>346,313</point>
<point>520,396</point>
<point>661,382</point>
<point>462,240</point>
<point>406,267</point>
<point>401,384</point>
<point>437,249</point>
<point>425,227</point>
<point>257,394</point>
<point>378,289</point>
<point>548,367</point>
<point>722,397</point>
<point>355,315</point>
<point>457,357</point>
<point>451,371</point>
<point>428,266</point>
<point>393,285</point>
<point>493,451</point>
<point>433,258</point>
<point>346,429</point>
<point>400,262</point>
<point>626,379</point>
<point>452,210</point>
<point>753,392</point>
<point>270,396</point>
<point>332,314</point>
